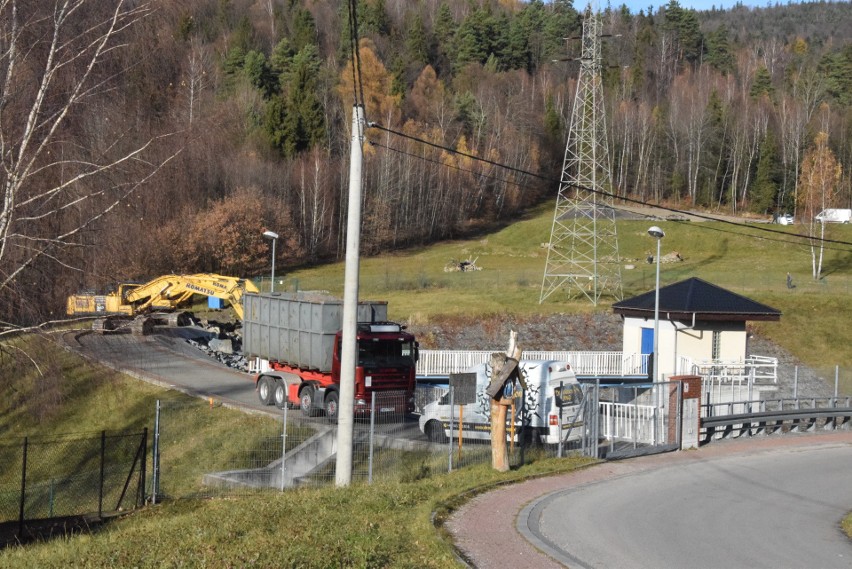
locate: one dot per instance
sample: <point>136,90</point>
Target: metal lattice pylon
<point>582,255</point>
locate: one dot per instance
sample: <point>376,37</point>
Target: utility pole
<point>582,255</point>
<point>346,418</point>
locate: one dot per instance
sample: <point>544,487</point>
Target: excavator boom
<point>164,293</point>
<point>170,291</point>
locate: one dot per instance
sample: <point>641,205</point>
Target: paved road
<point>767,502</point>
<point>166,359</point>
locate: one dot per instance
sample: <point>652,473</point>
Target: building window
<point>717,344</point>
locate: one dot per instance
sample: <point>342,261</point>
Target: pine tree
<point>762,84</point>
<point>719,50</point>
<point>471,41</point>
<point>764,189</point>
<point>417,41</point>
<point>295,118</point>
<point>304,30</point>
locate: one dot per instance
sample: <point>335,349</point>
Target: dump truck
<point>552,390</point>
<point>293,342</point>
<point>140,306</point>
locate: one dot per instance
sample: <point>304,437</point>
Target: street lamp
<point>657,234</point>
<point>274,236</point>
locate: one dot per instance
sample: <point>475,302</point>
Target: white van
<point>539,415</point>
<point>834,216</point>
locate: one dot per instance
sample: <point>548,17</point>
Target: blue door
<point>647,346</point>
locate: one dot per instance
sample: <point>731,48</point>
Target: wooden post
<point>500,404</point>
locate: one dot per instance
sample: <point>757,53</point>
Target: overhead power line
<point>549,179</point>
<point>357,80</point>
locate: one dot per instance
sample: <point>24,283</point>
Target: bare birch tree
<point>195,79</point>
<point>63,169</point>
<point>819,181</point>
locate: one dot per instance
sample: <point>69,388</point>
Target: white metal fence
<point>638,418</point>
<point>757,369</point>
<point>444,362</point>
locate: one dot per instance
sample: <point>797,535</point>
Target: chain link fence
<point>286,451</point>
<point>74,476</point>
<point>68,476</point>
<point>641,278</point>
<point>294,450</point>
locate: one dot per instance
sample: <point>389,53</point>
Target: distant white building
<point>697,320</point>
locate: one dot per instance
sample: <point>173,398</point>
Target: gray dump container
<point>299,328</point>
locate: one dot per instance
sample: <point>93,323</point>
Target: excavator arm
<point>170,291</point>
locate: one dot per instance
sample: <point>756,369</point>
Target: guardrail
<point>728,420</point>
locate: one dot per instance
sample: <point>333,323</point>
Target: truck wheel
<point>306,399</point>
<point>332,408</point>
<point>264,390</point>
<point>435,432</point>
<point>279,392</point>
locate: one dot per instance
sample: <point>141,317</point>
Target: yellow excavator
<point>156,301</point>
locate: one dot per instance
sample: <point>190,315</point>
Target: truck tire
<point>331,405</point>
<point>265,388</point>
<point>306,400</point>
<point>435,432</point>
<point>279,394</point>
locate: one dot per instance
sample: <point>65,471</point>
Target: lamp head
<point>656,232</point>
<point>270,234</point>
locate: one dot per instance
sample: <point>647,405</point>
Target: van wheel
<point>264,390</point>
<point>435,432</point>
<point>531,438</point>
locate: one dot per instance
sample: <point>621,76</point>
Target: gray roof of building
<point>698,298</point>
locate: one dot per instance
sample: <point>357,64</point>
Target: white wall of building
<point>695,343</point>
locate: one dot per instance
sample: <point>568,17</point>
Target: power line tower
<point>582,255</point>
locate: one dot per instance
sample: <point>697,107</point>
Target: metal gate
<point>631,420</point>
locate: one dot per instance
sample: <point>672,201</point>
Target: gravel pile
<point>809,382</point>
<point>599,332</point>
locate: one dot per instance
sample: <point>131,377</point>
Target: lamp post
<point>274,236</point>
<point>657,234</point>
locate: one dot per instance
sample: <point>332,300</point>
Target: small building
<point>698,322</point>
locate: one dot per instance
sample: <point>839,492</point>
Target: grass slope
<point>384,525</point>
